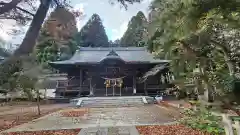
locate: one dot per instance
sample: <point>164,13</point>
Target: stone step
<point>109,106</point>
<point>115,103</point>
<point>92,102</point>
<point>112,102</point>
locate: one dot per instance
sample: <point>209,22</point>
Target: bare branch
<point>25,11</point>
<point>9,6</point>
<point>19,8</point>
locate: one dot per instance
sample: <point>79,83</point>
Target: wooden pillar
<point>91,88</point>
<point>80,76</point>
<point>134,85</point>
<point>65,88</point>
<point>145,88</point>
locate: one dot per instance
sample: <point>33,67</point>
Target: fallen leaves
<point>168,130</point>
<point>46,132</point>
<point>74,112</point>
<point>12,120</point>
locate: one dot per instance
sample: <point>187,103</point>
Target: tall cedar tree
<point>56,35</point>
<point>136,33</point>
<point>10,65</point>
<point>93,33</point>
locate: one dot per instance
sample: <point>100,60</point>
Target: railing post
<point>227,125</point>
<point>237,126</point>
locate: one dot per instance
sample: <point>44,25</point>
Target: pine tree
<point>93,33</point>
<point>136,34</point>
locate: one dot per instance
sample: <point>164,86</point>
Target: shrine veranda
<point>113,71</point>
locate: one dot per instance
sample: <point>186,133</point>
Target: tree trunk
<point>226,51</point>
<point>230,64</point>
<point>38,102</point>
<point>30,38</point>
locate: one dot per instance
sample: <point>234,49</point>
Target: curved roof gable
<point>112,55</point>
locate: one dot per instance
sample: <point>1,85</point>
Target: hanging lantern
<point>107,83</point>
<point>163,79</point>
<point>120,83</point>
<point>173,78</point>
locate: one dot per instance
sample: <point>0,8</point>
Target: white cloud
<point>80,7</point>
<point>146,1</point>
<point>118,33</point>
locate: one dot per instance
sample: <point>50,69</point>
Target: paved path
<point>130,130</point>
<point>107,119</point>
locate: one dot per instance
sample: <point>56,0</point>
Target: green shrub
<point>203,120</point>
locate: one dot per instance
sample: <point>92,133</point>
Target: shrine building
<point>113,71</point>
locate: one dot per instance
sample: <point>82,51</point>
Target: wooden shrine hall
<point>113,71</point>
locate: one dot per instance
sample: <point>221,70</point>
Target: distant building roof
<point>96,55</point>
<point>2,58</point>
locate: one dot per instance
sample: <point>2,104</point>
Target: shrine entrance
<point>113,86</point>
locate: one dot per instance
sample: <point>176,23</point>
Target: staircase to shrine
<point>99,102</point>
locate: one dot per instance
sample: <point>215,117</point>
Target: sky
<point>115,19</point>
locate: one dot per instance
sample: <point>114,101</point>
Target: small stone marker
<point>227,125</point>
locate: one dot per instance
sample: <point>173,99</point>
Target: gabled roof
<point>96,55</point>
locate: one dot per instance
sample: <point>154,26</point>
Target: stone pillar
<point>134,85</point>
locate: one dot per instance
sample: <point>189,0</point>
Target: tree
<point>93,33</point>
<point>30,38</point>
<point>56,37</point>
<point>3,51</point>
<point>13,63</point>
<point>115,43</point>
<point>136,34</point>
<point>10,86</point>
<point>202,35</point>
<point>31,77</point>
<point>19,10</point>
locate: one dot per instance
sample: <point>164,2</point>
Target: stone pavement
<point>121,120</point>
<point>130,130</point>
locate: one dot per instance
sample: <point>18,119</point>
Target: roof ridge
<point>112,48</point>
